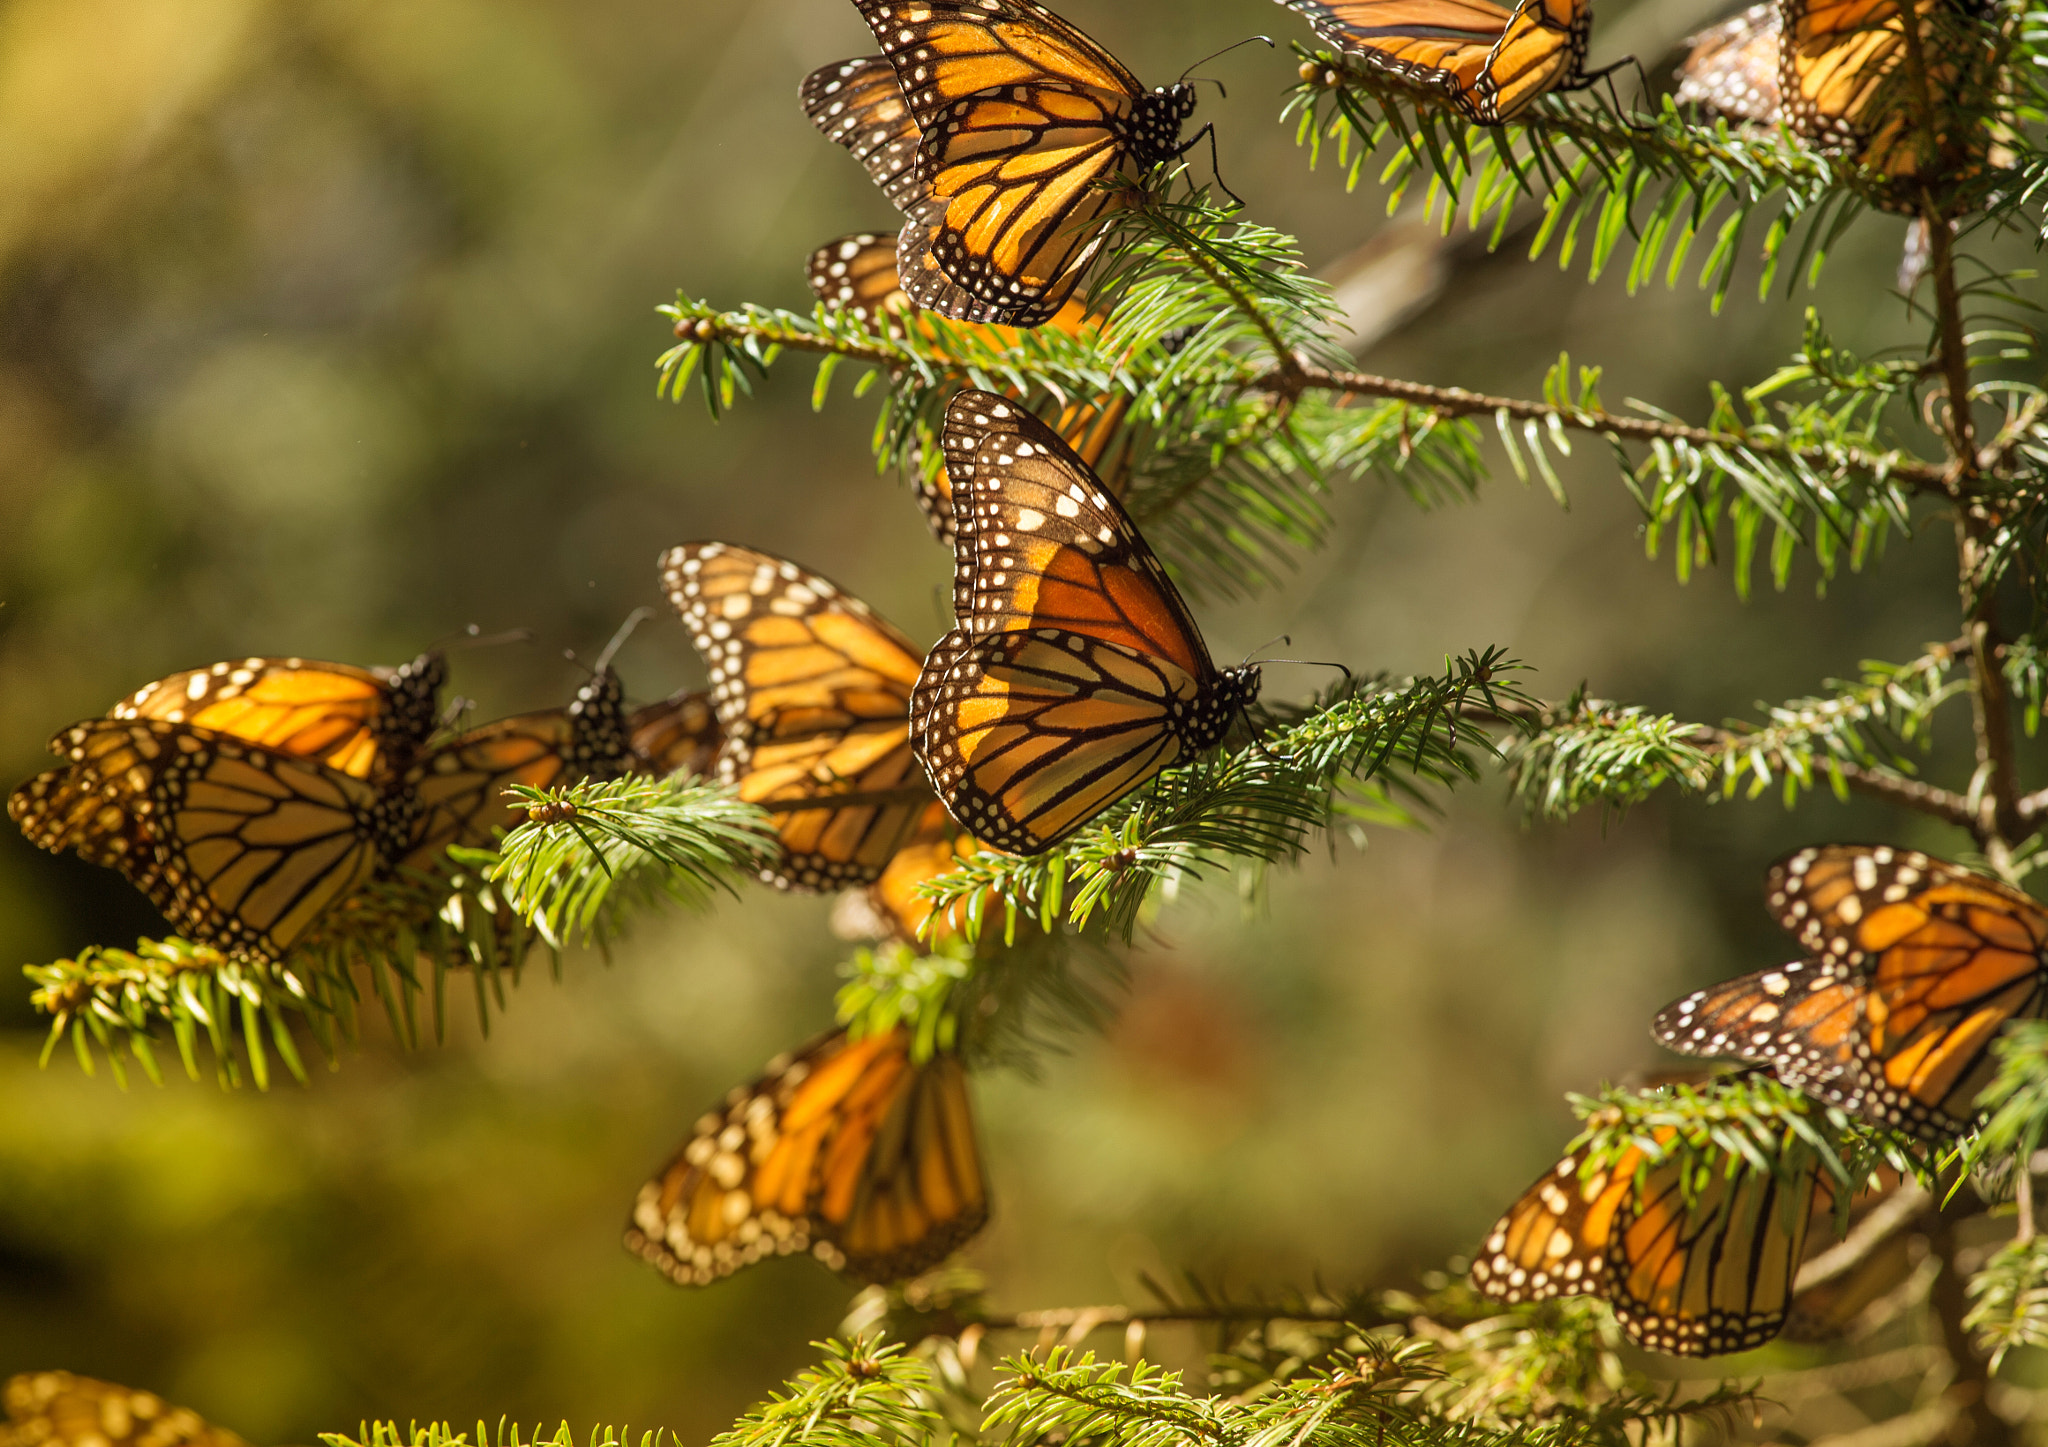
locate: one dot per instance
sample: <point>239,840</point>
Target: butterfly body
<point>458,787</point>
<point>1073,672</point>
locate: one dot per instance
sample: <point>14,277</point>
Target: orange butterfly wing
<point>851,1151</point>
<point>678,735</point>
<point>812,690</point>
<point>858,105</point>
<point>459,787</point>
<point>1800,1019</point>
<point>1074,671</point>
<point>367,723</point>
<point>1700,1279</point>
<point>1490,63</point>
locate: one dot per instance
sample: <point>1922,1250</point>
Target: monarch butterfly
<point>57,1409</point>
<point>1800,1019</point>
<point>1943,958</point>
<point>1073,672</point>
<point>1732,68</point>
<point>458,787</point>
<point>1491,64</point>
<point>365,722</point>
<point>1844,72</point>
<point>240,846</point>
<point>813,692</point>
<point>1694,1280</point>
<point>852,1150</point>
<point>1020,118</point>
<point>679,734</point>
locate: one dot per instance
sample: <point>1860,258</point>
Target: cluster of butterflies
<point>1912,968</point>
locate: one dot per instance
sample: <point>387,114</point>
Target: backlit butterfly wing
<point>852,1151</point>
<point>1692,1280</point>
<point>364,722</point>
<point>459,787</point>
<point>1022,116</point>
<point>858,274</point>
<point>1732,69</point>
<point>239,846</point>
<point>58,1409</point>
<point>680,733</point>
<point>1490,63</point>
<point>1073,672</point>
<point>1946,958</point>
<point>859,105</point>
<point>813,692</point>
<point>936,847</point>
<point>1845,84</point>
<point>1800,1019</point>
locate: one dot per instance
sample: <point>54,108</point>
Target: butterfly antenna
<point>1267,39</point>
<point>475,637</point>
<point>633,620</point>
<point>1276,638</point>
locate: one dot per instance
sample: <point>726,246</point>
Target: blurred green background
<point>326,327</point>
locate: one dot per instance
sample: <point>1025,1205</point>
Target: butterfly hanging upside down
<point>852,1150</point>
<point>1018,124</point>
<point>1491,64</point>
<point>1073,672</point>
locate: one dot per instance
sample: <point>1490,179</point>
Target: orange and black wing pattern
<point>678,735</point>
<point>1800,1019</point>
<point>1848,84</point>
<point>58,1409</point>
<point>1489,63</point>
<point>813,692</point>
<point>859,105</point>
<point>1023,118</point>
<point>364,722</point>
<point>1945,959</point>
<point>1732,69</point>
<point>242,847</point>
<point>935,849</point>
<point>458,788</point>
<point>853,1150</point>
<point>1694,1278</point>
<point>1073,672</point>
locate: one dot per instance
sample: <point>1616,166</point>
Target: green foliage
<point>593,852</point>
<point>508,1434</point>
<point>864,1393</point>
<point>2009,1300</point>
<point>1590,752</point>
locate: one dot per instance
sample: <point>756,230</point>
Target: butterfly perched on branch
<point>852,1150</point>
<point>1692,1277</point>
<point>458,787</point>
<point>1490,63</point>
<point>1074,671</point>
<point>1020,123</point>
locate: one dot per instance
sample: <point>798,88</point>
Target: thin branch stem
<point>1950,1300</point>
<point>1905,1207</point>
<point>1457,402</point>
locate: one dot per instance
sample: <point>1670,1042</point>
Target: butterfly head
<point>603,738</point>
<point>1156,123</point>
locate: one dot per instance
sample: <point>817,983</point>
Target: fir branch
<point>508,1434</point>
<point>2009,1300</point>
<point>1589,752</point>
<point>1261,803</point>
<point>865,1392</point>
<point>594,852</point>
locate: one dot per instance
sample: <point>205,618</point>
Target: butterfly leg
<point>1215,166</point>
